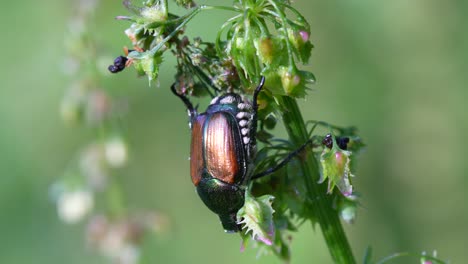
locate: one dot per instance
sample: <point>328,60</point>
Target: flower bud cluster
<point>90,175</point>
<point>149,34</point>
<point>264,38</point>
<point>272,51</point>
<point>199,68</point>
<point>85,103</point>
<point>119,239</point>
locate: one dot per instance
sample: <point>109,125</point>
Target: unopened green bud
<point>289,79</point>
<point>153,14</point>
<point>265,49</point>
<point>301,43</point>
<point>298,38</point>
<point>335,167</point>
<point>186,3</point>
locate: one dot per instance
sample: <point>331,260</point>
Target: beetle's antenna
<point>283,162</point>
<point>185,100</point>
<point>253,130</point>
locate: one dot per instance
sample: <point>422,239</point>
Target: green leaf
<point>281,243</point>
<point>256,216</point>
<point>281,247</point>
<point>147,63</point>
<point>367,256</point>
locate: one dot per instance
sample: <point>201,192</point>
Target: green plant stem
<point>327,217</point>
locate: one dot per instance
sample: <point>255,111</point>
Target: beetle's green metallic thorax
<point>227,102</point>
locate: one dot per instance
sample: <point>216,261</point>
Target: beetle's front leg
<point>253,129</point>
<point>327,142</point>
<point>283,162</point>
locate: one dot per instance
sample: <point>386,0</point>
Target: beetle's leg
<point>253,129</point>
<point>186,101</point>
<point>283,162</point>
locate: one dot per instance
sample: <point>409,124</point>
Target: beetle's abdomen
<point>223,149</point>
<point>222,198</point>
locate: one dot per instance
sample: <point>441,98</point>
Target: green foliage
<point>256,216</point>
<point>146,64</point>
<point>375,69</point>
<point>250,45</point>
<point>262,38</point>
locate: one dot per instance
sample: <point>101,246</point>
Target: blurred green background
<point>398,70</point>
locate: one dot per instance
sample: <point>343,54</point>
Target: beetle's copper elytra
<point>224,156</point>
<point>196,150</point>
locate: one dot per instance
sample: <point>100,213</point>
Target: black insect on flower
<point>119,64</point>
<point>341,141</point>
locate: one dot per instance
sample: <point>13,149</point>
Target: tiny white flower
<point>73,206</point>
<point>116,152</point>
<point>129,254</point>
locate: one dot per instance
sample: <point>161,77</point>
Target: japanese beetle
<point>222,152</point>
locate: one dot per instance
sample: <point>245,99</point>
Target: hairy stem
<point>327,217</point>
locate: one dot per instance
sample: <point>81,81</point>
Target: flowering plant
<point>262,38</point>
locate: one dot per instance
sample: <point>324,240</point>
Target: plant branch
<point>327,217</point>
